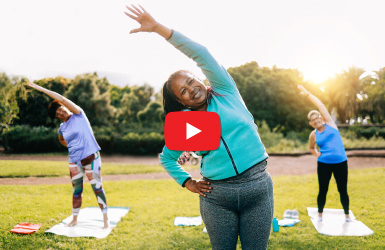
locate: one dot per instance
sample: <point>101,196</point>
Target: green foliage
<point>5,81</point>
<point>26,139</point>
<point>272,95</point>
<point>140,141</point>
<point>151,114</point>
<point>342,92</point>
<point>116,95</point>
<point>8,104</point>
<point>373,142</point>
<point>85,92</point>
<point>33,108</point>
<point>372,100</point>
<point>268,137</point>
<point>133,102</point>
<point>106,136</point>
<point>146,143</point>
<point>276,142</point>
<point>353,132</point>
<point>11,91</point>
<point>102,83</point>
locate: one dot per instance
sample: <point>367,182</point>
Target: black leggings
<point>340,171</point>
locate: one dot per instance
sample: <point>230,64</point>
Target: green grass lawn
<point>155,203</point>
<point>16,169</point>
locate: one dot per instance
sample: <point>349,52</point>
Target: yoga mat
<point>333,223</point>
<point>288,222</point>
<point>188,221</point>
<point>90,223</point>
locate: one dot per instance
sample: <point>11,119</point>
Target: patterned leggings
<point>93,173</point>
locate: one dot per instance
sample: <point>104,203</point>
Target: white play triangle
<point>191,131</point>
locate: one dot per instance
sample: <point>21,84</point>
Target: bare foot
<point>106,222</point>
<point>72,223</point>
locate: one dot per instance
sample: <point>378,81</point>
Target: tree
<point>33,109</point>
<point>9,108</point>
<point>342,91</point>
<point>116,95</point>
<point>151,114</point>
<point>84,91</point>
<point>372,101</point>
<point>5,81</point>
<point>102,83</point>
<point>133,102</point>
<point>8,105</point>
<point>271,95</point>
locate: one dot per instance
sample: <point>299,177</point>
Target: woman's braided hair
<point>170,101</point>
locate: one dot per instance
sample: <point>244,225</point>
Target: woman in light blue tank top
<point>76,134</point>
<point>331,157</point>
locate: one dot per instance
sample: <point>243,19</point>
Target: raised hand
<point>35,86</point>
<point>303,90</point>
<point>146,21</point>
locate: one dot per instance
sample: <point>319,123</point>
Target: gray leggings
<point>242,205</point>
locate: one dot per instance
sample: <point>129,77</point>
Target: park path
<point>277,165</point>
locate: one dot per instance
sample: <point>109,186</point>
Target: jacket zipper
<point>231,157</point>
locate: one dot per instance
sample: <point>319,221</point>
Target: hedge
<point>26,139</point>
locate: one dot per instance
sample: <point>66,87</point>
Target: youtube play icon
<point>192,131</point>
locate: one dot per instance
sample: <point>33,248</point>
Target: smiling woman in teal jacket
<point>236,193</point>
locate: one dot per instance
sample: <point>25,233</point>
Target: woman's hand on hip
<point>201,187</point>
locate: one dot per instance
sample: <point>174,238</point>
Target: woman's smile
<point>197,94</point>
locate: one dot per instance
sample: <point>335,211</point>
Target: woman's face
<point>63,114</point>
<point>316,121</point>
<point>189,91</point>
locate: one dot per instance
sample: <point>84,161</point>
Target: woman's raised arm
<point>66,102</point>
<point>147,22</point>
<point>215,73</point>
<point>320,106</point>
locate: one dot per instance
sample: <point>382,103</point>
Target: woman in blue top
<point>76,134</point>
<point>236,193</point>
<point>331,159</point>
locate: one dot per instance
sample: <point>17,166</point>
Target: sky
<point>50,38</point>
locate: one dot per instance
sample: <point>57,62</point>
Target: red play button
<point>192,131</point>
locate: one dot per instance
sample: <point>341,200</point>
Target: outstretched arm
<point>67,103</point>
<point>215,73</point>
<point>320,106</point>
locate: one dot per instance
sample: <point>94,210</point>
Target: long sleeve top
<point>241,146</point>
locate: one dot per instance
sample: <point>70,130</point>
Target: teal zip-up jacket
<point>241,146</point>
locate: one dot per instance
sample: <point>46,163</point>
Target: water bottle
<point>275,225</point>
